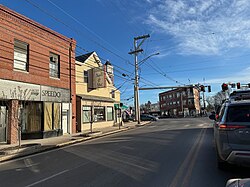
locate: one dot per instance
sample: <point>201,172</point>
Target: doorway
<point>65,114</point>
<point>3,123</point>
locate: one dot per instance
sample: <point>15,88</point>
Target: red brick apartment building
<point>37,79</point>
<point>180,102</point>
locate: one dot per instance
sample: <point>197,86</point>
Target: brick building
<point>180,102</point>
<point>37,79</point>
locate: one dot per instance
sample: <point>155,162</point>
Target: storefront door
<point>65,114</point>
<point>3,123</point>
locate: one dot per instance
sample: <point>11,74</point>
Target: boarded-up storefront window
<point>52,116</point>
<point>34,111</point>
<point>48,116</point>
<point>31,116</point>
<point>57,115</point>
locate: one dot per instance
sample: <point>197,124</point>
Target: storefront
<point>95,112</point>
<point>39,111</point>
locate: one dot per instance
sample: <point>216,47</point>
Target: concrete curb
<point>64,144</point>
<point>18,150</point>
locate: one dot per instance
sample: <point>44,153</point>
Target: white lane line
<point>52,176</point>
<point>186,125</point>
<point>201,125</point>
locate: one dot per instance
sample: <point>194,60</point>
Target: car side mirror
<point>212,117</point>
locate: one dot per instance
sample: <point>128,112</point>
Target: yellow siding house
<point>96,94</point>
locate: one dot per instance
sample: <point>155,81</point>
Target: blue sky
<point>198,40</point>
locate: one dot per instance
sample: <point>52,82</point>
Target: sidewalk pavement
<point>11,151</point>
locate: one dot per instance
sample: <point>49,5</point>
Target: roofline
<point>34,23</point>
<point>175,89</point>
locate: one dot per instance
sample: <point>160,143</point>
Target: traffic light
<point>121,104</point>
<point>248,85</point>
<point>224,87</point>
<point>238,85</point>
<point>233,85</point>
<point>209,88</point>
<point>202,87</point>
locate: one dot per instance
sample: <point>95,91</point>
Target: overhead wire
<point>162,73</point>
<point>76,31</point>
<point>54,49</point>
<point>92,32</point>
<point>82,25</point>
<point>43,68</point>
<point>58,20</point>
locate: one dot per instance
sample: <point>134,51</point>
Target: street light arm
<point>143,60</point>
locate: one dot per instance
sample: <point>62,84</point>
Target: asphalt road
<point>169,152</point>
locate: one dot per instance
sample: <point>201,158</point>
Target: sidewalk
<point>28,147</point>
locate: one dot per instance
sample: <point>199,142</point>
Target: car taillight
<point>230,127</point>
<point>216,116</point>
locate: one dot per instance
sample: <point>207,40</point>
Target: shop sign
<point>54,94</point>
<point>99,80</point>
<point>19,90</point>
<point>32,92</point>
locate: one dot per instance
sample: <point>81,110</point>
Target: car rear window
<point>238,113</point>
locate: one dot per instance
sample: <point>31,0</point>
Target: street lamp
<point>137,50</point>
<point>137,101</point>
<point>143,60</point>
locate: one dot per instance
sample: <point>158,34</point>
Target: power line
<point>77,32</point>
<point>162,73</point>
<point>61,46</point>
<point>103,59</point>
<point>88,29</point>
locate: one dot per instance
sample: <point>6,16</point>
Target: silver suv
<point>232,131</point>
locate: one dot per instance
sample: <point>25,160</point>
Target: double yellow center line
<point>184,172</point>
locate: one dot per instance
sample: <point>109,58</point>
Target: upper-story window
<point>85,76</point>
<point>113,93</point>
<point>191,91</point>
<point>21,53</point>
<point>54,65</point>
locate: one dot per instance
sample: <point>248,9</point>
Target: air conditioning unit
<point>53,59</point>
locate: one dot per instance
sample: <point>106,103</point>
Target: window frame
<point>57,71</point>
<point>25,63</point>
<point>96,119</point>
<point>90,112</point>
<point>113,94</point>
<point>85,76</point>
<point>111,112</point>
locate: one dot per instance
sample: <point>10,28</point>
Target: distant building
<point>155,109</point>
<point>180,102</point>
<point>145,108</point>
<point>150,108</point>
<point>98,101</point>
<point>37,82</point>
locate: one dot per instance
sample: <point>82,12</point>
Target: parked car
<point>238,182</point>
<point>147,117</point>
<point>239,95</point>
<point>232,132</point>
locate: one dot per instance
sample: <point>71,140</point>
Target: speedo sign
<point>54,94</point>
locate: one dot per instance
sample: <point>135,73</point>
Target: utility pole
<point>204,102</point>
<point>137,50</point>
<point>182,107</point>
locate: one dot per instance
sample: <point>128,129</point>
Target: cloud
<point>242,76</point>
<point>210,27</point>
